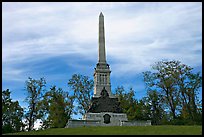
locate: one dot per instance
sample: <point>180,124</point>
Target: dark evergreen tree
<point>12,114</point>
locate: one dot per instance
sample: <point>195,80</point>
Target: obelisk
<point>101,40</point>
<point>102,70</point>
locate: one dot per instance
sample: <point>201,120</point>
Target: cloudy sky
<point>55,40</point>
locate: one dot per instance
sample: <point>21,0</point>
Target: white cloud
<point>173,33</point>
<point>13,74</point>
<point>137,34</point>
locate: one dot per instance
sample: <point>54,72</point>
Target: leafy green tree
<point>155,102</point>
<point>58,106</point>
<point>163,81</point>
<point>135,109</point>
<point>12,114</point>
<point>143,111</point>
<point>35,89</point>
<point>177,85</point>
<point>83,89</point>
<point>127,101</point>
<point>43,112</point>
<point>188,86</point>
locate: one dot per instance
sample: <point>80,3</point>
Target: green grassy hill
<point>134,130</point>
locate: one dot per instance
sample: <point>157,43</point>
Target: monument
<point>105,108</point>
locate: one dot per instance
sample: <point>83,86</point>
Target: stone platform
<point>99,119</point>
<point>107,118</point>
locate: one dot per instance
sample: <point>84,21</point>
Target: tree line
<point>171,98</point>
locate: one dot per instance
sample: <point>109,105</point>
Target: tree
<point>188,85</point>
<point>176,84</point>
<point>82,87</point>
<point>35,89</point>
<point>155,102</point>
<point>143,110</point>
<point>58,105</point>
<point>127,101</point>
<point>135,109</point>
<point>12,114</point>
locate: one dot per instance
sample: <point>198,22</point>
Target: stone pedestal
<point>106,118</point>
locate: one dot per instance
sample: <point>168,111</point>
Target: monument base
<point>107,118</point>
<point>99,119</point>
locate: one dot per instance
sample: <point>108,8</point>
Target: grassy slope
<point>137,130</point>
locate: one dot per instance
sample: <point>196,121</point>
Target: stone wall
<point>83,123</point>
<point>80,123</point>
<point>136,123</point>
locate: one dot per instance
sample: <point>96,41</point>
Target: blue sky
<point>56,39</point>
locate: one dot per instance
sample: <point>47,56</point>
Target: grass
<point>116,130</point>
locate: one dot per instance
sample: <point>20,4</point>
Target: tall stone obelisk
<point>101,40</point>
<point>102,70</point>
